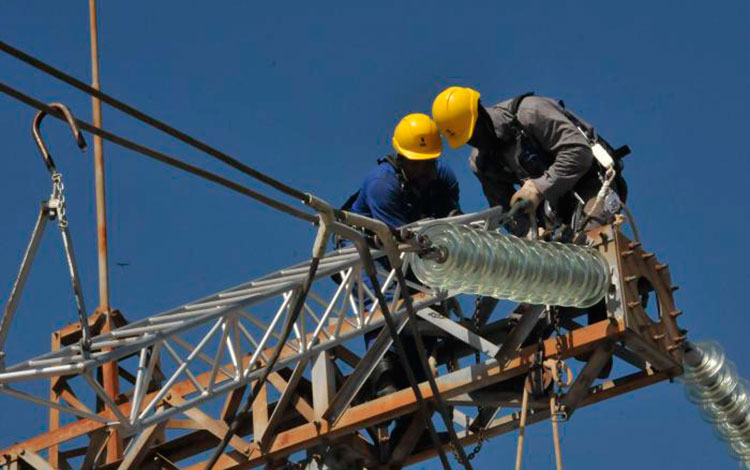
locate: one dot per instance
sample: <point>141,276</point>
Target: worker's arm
<point>496,185</point>
<point>557,135</point>
<point>386,201</point>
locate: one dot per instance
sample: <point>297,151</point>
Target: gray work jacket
<point>566,154</point>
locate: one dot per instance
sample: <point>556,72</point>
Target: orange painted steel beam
<point>509,423</point>
<point>404,401</point>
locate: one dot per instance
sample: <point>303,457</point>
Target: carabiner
<point>77,135</point>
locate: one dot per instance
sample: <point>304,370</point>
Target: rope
<point>163,158</point>
<point>522,427</point>
<point>555,432</point>
<point>153,122</point>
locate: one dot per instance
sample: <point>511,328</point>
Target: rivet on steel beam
<point>627,253</point>
<point>634,245</point>
<point>675,314</point>
<point>631,278</point>
<point>647,256</point>
<point>660,267</point>
<point>634,304</point>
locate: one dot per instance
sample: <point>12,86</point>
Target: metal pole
<point>109,370</point>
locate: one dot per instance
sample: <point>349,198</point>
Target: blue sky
<point>310,93</point>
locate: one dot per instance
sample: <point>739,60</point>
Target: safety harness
<point>609,160</point>
<point>604,153</point>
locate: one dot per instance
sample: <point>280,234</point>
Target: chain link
<point>559,414</point>
<point>477,325</point>
<point>480,442</point>
<point>57,200</point>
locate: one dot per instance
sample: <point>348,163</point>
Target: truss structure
<point>184,372</point>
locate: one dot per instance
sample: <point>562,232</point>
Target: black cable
<point>448,420</point>
<point>161,157</point>
<point>244,412</point>
<point>127,109</point>
<point>401,353</point>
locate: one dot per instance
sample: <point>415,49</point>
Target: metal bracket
<point>51,209</point>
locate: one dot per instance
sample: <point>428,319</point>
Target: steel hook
<point>77,135</point>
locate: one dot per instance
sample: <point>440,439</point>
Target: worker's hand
<point>527,192</point>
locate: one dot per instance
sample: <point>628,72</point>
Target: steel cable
<point>162,157</point>
<point>153,122</point>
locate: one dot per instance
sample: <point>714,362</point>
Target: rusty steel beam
<point>580,388</point>
<point>93,453</point>
<point>404,401</point>
<point>111,380</point>
<point>53,454</point>
<point>140,448</point>
<point>307,435</point>
<point>509,423</point>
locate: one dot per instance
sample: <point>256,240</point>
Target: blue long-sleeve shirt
<point>383,197</point>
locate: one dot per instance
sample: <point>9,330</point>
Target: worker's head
<point>416,139</point>
<point>455,111</point>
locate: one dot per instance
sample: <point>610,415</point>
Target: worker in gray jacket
<point>537,144</point>
<point>548,152</point>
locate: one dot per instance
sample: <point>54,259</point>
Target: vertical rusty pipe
<point>109,371</point>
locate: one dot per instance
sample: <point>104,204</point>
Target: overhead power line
<point>162,157</point>
<point>153,122</point>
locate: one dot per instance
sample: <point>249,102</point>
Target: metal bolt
<point>627,253</point>
<point>647,256</point>
<point>634,245</point>
<point>658,337</point>
<point>631,278</point>
<point>661,267</point>
<point>675,314</point>
<point>634,304</point>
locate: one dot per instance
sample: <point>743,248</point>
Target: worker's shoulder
<point>382,177</point>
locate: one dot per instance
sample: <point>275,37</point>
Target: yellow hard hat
<point>417,138</point>
<point>455,112</point>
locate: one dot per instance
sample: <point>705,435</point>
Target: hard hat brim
<point>411,155</point>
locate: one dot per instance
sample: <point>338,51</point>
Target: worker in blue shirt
<point>413,184</point>
<point>406,187</point>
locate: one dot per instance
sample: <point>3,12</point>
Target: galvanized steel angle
<point>202,356</point>
<point>171,381</point>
